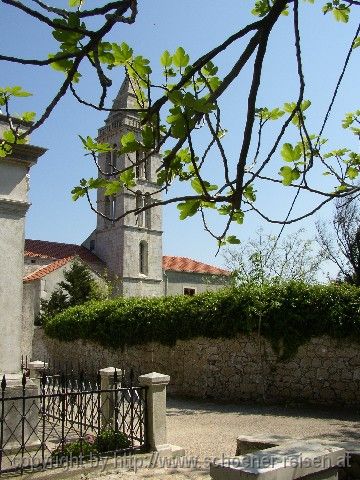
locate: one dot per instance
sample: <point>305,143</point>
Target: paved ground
<point>210,430</point>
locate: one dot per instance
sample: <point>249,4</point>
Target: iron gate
<point>67,418</point>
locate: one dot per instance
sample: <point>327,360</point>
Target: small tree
<point>343,248</point>
<point>265,258</point>
<point>78,287</point>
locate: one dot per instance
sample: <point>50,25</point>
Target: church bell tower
<point>132,246</point>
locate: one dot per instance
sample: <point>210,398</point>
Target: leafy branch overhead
<point>180,118</point>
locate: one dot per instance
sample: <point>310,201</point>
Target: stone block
<point>290,461</point>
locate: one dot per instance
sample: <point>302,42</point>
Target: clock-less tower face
<point>132,246</point>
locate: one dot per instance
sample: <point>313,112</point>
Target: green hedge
<point>289,314</point>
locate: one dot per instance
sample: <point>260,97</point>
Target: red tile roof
<point>42,271</point>
<point>43,249</point>
<point>183,264</point>
<point>62,253</point>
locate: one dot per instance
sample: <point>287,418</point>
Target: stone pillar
<point>107,376</point>
<point>156,410</point>
<point>14,186</point>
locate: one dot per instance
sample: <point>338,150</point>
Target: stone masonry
<point>324,371</point>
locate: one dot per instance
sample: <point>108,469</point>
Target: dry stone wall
<point>324,371</point>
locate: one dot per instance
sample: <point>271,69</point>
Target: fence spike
<point>43,379</point>
<point>3,383</point>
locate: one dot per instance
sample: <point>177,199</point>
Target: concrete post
<point>14,203</point>
<point>36,368</point>
<point>156,410</point>
<point>107,376</point>
<point>14,186</point>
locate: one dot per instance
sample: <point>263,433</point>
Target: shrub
<point>73,450</point>
<point>78,287</point>
<point>287,314</point>
<point>111,441</point>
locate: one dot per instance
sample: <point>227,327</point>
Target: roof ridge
<point>45,269</point>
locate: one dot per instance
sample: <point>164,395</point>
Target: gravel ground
<point>207,429</point>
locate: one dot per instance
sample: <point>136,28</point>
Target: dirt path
<point>207,429</point>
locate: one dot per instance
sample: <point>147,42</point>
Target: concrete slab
<point>286,462</point>
<point>251,443</point>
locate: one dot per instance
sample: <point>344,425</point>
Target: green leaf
<point>249,193</point>
<point>177,121</point>
<point>75,3</point>
<point>352,173</point>
<point>141,66</point>
<point>176,97</point>
<point>27,116</point>
<point>291,154</point>
<point>166,59</point>
<point>77,192</point>
<point>261,8</point>
<point>180,58</point>
<point>289,175</point>
<point>15,91</point>
<point>238,217</point>
<point>8,136</point>
<point>129,143</point>
<point>209,70</point>
<point>232,239</point>
<point>196,185</point>
<point>112,187</point>
<point>188,208</point>
<point>148,137</point>
<point>122,53</point>
<point>341,13</point>
<point>128,178</point>
<point>356,43</point>
<point>93,146</point>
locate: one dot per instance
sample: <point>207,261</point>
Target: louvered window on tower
<point>140,168</point>
<point>140,204</point>
<point>143,257</point>
<point>147,202</point>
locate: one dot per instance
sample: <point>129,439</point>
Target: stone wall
<point>240,369</point>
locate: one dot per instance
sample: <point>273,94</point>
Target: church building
<point>130,249</point>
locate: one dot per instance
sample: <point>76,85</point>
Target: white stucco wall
<point>175,282</point>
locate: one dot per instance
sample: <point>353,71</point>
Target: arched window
<point>139,166</point>
<point>143,257</point>
<point>110,208</point>
<point>147,202</point>
<point>113,208</point>
<point>140,204</point>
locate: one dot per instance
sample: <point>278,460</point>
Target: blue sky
<point>197,26</point>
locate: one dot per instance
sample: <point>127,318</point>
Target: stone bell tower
<point>132,246</point>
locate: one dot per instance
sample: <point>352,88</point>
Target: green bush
<point>288,314</point>
<point>105,442</point>
<point>111,441</point>
<point>73,450</point>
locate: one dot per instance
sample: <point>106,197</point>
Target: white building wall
<point>175,282</point>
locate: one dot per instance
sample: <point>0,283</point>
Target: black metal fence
<point>60,418</point>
